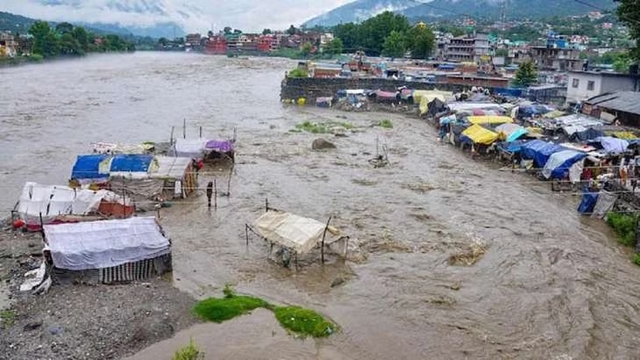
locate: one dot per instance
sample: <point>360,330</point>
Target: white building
<point>582,85</point>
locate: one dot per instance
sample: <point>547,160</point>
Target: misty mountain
<point>438,9</point>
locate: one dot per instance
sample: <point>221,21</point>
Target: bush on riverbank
<point>298,73</point>
<point>624,226</point>
<point>302,321</point>
<point>321,128</point>
<point>189,352</point>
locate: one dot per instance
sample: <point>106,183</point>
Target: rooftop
<point>602,73</point>
<point>625,101</point>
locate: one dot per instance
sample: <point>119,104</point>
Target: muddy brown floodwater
<point>551,283</point>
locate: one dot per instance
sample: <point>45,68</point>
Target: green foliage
<point>298,73</point>
<point>35,58</point>
<point>304,322</point>
<point>306,48</point>
<point>188,352</point>
<point>321,128</point>
<point>7,318</point>
<point>334,47</point>
<point>371,34</point>
<point>420,41</point>
<point>386,123</point>
<point>629,13</point>
<point>292,30</point>
<point>219,310</point>
<point>636,259</point>
<point>526,74</point>
<point>395,45</point>
<point>228,291</point>
<point>624,226</point>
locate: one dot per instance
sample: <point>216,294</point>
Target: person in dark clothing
<point>209,193</point>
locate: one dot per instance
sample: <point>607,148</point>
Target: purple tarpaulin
<point>224,146</point>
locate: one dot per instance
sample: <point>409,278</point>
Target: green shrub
<point>188,352</point>
<point>219,310</point>
<point>636,259</point>
<point>625,227</point>
<point>36,58</point>
<point>304,322</point>
<point>7,318</point>
<point>298,73</point>
<point>386,123</point>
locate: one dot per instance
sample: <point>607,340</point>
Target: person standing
<point>209,193</point>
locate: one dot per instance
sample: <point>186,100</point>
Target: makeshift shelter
<point>510,132</point>
<point>586,135</point>
<point>384,96</point>
<point>47,204</point>
<point>219,150</point>
<point>489,119</point>
<point>539,151</point>
<point>189,148</point>
<point>178,176</point>
<point>610,145</point>
<point>560,165</point>
<point>87,169</point>
<point>113,250</point>
<point>478,135</point>
<point>432,108</point>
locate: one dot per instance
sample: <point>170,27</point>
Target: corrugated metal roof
<point>625,101</point>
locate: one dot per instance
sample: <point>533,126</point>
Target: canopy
<point>189,148</point>
<point>511,147</point>
<point>171,167</point>
<point>613,145</point>
<point>292,231</point>
<point>88,167</point>
<point>585,135</point>
<point>51,201</point>
<point>559,163</point>
<point>489,119</point>
<point>539,151</point>
<point>479,135</point>
<point>131,163</point>
<point>224,146</point>
<point>510,132</point>
<point>104,244</point>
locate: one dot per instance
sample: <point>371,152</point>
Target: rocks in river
<point>322,144</point>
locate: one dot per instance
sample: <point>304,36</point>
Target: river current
<point>551,284</point>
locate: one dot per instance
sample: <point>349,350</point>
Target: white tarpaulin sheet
<point>291,231</point>
<point>189,148</point>
<point>52,201</point>
<point>103,244</point>
<point>171,167</point>
<point>605,203</point>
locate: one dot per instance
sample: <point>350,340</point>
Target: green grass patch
<point>294,318</point>
<point>7,318</point>
<point>188,352</point>
<point>304,322</point>
<point>386,123</point>
<point>624,226</point>
<point>321,128</point>
<point>636,259</point>
<point>298,73</point>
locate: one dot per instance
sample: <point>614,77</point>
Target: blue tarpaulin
<point>539,151</point>
<point>511,147</point>
<point>88,167</point>
<point>612,145</point>
<point>508,92</point>
<point>557,167</point>
<point>588,203</point>
<point>131,163</point>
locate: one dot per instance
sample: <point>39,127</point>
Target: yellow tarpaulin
<point>480,135</point>
<point>625,135</point>
<point>554,114</point>
<point>489,119</point>
<point>424,97</point>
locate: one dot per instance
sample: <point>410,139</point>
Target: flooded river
<point>551,283</point>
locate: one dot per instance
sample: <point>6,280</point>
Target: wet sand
<point>551,283</point>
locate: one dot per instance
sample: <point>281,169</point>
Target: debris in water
<point>322,144</point>
<point>420,187</point>
<point>441,300</point>
<point>468,256</point>
<point>365,182</point>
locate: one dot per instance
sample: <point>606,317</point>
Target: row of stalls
<point>92,228</point>
<point>573,151</point>
<point>359,99</point>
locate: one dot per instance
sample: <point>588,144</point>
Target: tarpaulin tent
<point>588,203</point>
<point>479,135</point>
<point>489,119</point>
<point>585,135</point>
<point>539,151</point>
<point>426,97</point>
<point>190,148</point>
<point>104,244</point>
<point>295,232</point>
<point>510,132</point>
<point>557,167</point>
<point>610,144</point>
<point>433,107</point>
<point>131,163</point>
<point>87,167</point>
<point>511,147</point>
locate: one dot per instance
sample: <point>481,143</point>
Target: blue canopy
<point>88,167</point>
<point>511,146</point>
<point>131,163</point>
<point>559,163</point>
<point>539,151</point>
<point>610,144</point>
<point>588,203</point>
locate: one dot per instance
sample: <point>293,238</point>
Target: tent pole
<point>200,132</point>
<point>42,228</point>
<point>184,128</point>
<point>324,234</point>
<point>215,194</point>
<point>171,137</point>
<point>246,233</point>
<point>124,200</point>
<point>266,205</point>
<point>229,181</point>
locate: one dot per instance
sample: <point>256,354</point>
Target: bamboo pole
<point>215,194</point>
<point>324,234</point>
<point>200,132</point>
<point>184,128</point>
<point>171,137</point>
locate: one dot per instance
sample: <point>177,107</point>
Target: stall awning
<point>489,119</point>
<point>479,135</point>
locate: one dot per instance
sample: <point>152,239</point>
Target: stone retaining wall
<point>312,88</point>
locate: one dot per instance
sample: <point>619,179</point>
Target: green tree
<point>333,47</point>
<point>349,33</point>
<point>64,28</point>
<point>69,45</point>
<point>266,31</point>
<point>629,13</point>
<point>44,40</point>
<point>305,49</point>
<point>394,45</point>
<point>622,62</point>
<point>82,37</point>
<point>420,41</point>
<point>526,74</point>
<point>226,30</point>
<point>375,30</point>
<point>292,30</point>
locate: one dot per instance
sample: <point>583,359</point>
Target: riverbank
<point>81,321</point>
<point>7,62</point>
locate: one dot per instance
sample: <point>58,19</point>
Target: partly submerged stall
<point>108,251</point>
<point>539,151</point>
<point>208,150</point>
<point>564,163</point>
<point>476,134</point>
<point>47,204</point>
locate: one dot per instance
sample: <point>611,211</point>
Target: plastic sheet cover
<point>103,244</point>
<point>539,151</point>
<point>559,163</point>
<point>193,149</point>
<point>292,231</point>
<point>479,135</point>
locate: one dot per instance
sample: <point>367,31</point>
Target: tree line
<point>69,40</point>
<point>387,34</point>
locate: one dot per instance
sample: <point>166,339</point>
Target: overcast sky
<point>248,15</point>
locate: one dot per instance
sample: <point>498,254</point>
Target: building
<point>8,45</point>
<point>554,58</point>
<point>582,85</point>
<point>624,106</point>
<point>466,49</point>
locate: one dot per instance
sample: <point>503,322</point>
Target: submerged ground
<point>551,284</point>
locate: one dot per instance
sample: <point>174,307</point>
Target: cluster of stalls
<point>360,98</point>
<point>574,151</point>
<point>91,228</point>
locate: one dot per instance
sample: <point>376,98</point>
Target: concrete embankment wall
<point>312,88</point>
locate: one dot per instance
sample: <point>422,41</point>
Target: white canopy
<point>104,244</point>
<point>54,200</point>
<point>189,148</point>
<point>292,231</point>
